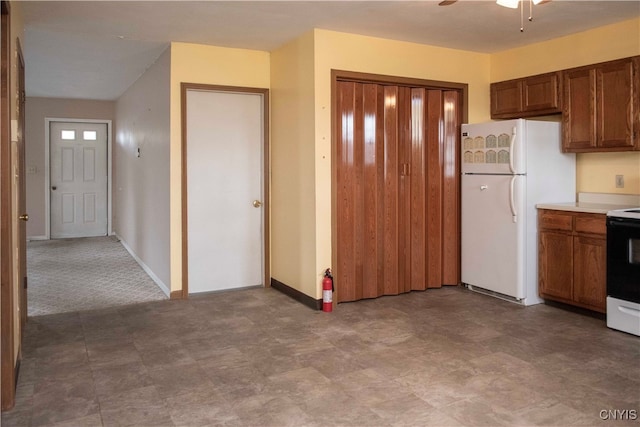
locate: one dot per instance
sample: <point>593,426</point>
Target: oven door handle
<point>619,223</point>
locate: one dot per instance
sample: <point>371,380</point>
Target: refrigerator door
<point>492,243</point>
<point>494,147</point>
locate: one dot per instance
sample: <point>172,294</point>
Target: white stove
<point>623,270</point>
<point>633,213</point>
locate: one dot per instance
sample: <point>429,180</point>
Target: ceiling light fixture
<point>514,4</point>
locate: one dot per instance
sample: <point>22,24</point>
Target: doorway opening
<point>81,264</point>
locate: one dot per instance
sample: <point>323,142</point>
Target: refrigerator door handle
<point>512,144</point>
<point>512,202</point>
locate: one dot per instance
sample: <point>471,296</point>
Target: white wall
<point>37,110</point>
<point>141,184</point>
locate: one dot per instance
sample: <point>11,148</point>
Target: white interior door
<point>224,182</point>
<point>78,179</point>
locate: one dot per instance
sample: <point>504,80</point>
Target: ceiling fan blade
<point>449,2</point>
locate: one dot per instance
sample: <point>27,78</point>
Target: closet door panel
<point>404,193</point>
<point>390,192</point>
<point>451,190</point>
<point>434,150</point>
<point>345,190</point>
<point>418,213</point>
<point>372,179</point>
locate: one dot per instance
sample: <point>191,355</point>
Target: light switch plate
<point>619,181</point>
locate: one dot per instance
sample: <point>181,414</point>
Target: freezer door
<point>494,147</point>
<point>492,243</point>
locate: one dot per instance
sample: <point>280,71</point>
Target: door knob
<point>54,187</point>
<point>257,203</point>
<point>24,217</point>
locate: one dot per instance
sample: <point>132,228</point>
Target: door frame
<point>8,368</point>
<point>359,77</point>
<point>47,169</point>
<point>266,229</point>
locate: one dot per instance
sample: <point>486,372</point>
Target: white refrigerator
<point>507,168</point>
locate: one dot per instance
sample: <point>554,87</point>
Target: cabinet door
<point>555,265</point>
<point>506,99</point>
<point>579,130</point>
<point>541,93</point>
<point>589,273</point>
<point>614,111</point>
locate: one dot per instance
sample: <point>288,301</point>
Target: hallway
<point>445,357</point>
<point>84,274</point>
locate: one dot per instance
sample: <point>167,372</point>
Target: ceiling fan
<point>513,4</point>
<point>507,3</point>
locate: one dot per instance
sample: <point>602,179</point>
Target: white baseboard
<point>30,238</point>
<point>144,266</point>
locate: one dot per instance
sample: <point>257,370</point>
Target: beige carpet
<point>84,274</point>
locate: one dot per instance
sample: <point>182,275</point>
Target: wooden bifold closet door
<point>397,189</point>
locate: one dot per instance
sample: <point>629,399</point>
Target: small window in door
<point>68,134</point>
<point>90,135</point>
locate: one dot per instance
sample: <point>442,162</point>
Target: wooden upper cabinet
<point>601,107</point>
<point>615,109</point>
<point>579,114</point>
<point>526,97</point>
<point>506,99</point>
<point>542,93</point>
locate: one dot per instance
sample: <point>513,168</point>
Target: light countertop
<point>586,207</point>
<point>599,203</point>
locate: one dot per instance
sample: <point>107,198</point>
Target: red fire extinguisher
<point>327,291</point>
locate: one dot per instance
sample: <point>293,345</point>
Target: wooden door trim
<point>359,77</point>
<point>22,191</point>
<point>7,365</point>
<point>184,87</point>
<point>47,168</point>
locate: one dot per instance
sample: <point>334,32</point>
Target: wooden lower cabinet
<point>572,258</point>
<point>556,265</point>
<point>589,271</point>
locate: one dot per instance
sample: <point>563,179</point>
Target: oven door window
<point>623,259</point>
<point>634,251</point>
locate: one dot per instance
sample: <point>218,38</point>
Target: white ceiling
<point>97,49</point>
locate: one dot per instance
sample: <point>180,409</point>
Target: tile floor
<point>445,357</point>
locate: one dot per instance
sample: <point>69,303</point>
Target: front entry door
<point>224,158</point>
<point>78,179</point>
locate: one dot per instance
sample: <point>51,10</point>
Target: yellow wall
<point>293,215</point>
<point>352,52</point>
<point>192,63</point>
<point>598,45</point>
<point>595,172</point>
<point>299,74</point>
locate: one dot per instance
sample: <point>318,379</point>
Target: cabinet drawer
<point>554,221</point>
<point>593,224</point>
